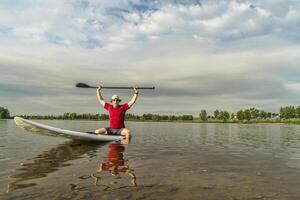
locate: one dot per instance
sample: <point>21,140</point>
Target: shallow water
<point>163,161</point>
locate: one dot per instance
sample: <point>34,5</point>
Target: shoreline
<point>196,120</point>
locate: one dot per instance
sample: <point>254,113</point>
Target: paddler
<point>116,114</point>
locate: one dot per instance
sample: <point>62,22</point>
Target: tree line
<point>128,116</point>
<point>241,115</point>
<point>4,113</point>
<point>287,112</point>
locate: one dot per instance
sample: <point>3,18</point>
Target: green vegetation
<point>287,114</point>
<point>128,116</point>
<point>4,113</point>
<point>221,115</point>
<point>251,113</point>
<point>203,115</point>
<point>70,116</point>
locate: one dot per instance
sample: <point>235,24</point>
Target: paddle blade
<point>83,85</point>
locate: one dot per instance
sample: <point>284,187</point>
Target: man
<point>116,114</point>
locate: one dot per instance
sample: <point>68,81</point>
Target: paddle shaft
<point>106,87</point>
<point>83,85</point>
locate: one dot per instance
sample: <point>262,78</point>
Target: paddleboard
<point>53,131</point>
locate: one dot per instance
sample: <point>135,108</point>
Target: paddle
<point>84,85</point>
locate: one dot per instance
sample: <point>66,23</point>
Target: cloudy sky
<point>200,54</point>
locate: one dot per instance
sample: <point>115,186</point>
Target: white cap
<point>115,97</point>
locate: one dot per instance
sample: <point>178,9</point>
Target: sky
<point>199,54</point>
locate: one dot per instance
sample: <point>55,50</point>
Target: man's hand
<point>136,90</point>
<point>99,87</point>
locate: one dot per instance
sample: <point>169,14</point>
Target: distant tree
<point>165,117</point>
<point>203,115</point>
<point>156,117</point>
<point>263,114</point>
<point>73,116</point>
<point>216,114</point>
<point>104,117</point>
<point>147,117</point>
<point>224,115</point>
<point>282,112</point>
<point>254,113</point>
<point>187,117</point>
<point>287,112</point>
<point>4,113</point>
<point>66,115</point>
<point>173,117</point>
<point>247,114</point>
<point>298,112</point>
<point>130,116</point>
<point>240,115</point>
<point>232,116</point>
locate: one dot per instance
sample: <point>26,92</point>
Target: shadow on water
<point>50,161</point>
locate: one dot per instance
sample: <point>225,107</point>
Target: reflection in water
<point>115,164</point>
<point>51,161</point>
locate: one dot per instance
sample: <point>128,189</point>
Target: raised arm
<point>134,98</point>
<point>99,96</point>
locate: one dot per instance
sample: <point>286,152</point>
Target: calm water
<point>163,161</point>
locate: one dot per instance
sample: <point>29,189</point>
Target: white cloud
<point>118,23</point>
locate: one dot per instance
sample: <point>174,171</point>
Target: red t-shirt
<point>116,115</point>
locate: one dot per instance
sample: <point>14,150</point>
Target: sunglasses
<point>115,100</point>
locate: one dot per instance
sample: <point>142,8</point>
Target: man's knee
<point>101,131</point>
<point>126,132</point>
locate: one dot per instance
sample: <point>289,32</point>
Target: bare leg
<point>126,132</point>
<point>101,131</point>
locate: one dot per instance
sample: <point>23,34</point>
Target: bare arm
<point>99,96</point>
<point>135,96</point>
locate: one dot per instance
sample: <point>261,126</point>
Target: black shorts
<point>113,131</point>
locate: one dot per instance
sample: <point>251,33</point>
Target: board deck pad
<point>43,129</point>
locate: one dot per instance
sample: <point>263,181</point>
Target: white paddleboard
<point>53,131</point>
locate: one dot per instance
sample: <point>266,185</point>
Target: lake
<point>163,161</point>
